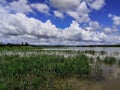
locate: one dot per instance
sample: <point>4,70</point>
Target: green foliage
<point>39,71</point>
<point>109,60</point>
<point>119,63</point>
<point>103,52</point>
<point>30,68</point>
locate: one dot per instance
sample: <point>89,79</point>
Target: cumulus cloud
<point>107,30</point>
<point>82,8</point>
<point>58,14</point>
<point>79,18</point>
<point>20,6</point>
<point>3,1</point>
<point>64,4</point>
<point>18,27</point>
<point>94,24</point>
<point>43,8</point>
<point>78,9</point>
<point>96,4</point>
<point>20,24</point>
<point>75,8</point>
<point>24,6</point>
<point>116,19</point>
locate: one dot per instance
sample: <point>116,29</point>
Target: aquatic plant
<point>38,71</point>
<point>109,60</point>
<point>119,63</point>
<point>103,52</point>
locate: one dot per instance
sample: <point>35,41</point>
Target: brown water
<point>78,84</point>
<point>109,50</point>
<point>110,74</point>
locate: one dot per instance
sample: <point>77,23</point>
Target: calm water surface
<point>109,50</point>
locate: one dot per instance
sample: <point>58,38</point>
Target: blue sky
<point>101,16</point>
<point>60,22</point>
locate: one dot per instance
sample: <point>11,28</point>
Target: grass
<point>109,60</point>
<point>40,71</point>
<point>103,52</point>
<point>25,68</point>
<point>119,63</point>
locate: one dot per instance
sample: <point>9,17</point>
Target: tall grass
<point>119,63</point>
<point>45,69</point>
<point>40,71</point>
<point>109,60</point>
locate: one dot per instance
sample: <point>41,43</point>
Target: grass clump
<point>119,63</point>
<point>103,52</point>
<point>109,60</point>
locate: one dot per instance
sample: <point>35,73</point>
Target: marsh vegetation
<point>33,68</point>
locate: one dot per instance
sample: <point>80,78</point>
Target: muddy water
<point>109,50</point>
<point>95,85</point>
<point>111,74</point>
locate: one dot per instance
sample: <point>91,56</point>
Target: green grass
<point>40,71</point>
<point>119,63</point>
<point>103,52</point>
<point>109,60</point>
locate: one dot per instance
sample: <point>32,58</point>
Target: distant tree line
<point>27,44</point>
<point>11,44</point>
<point>117,45</point>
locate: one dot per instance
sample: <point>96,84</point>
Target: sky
<point>60,22</point>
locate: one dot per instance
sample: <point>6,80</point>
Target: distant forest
<point>27,44</point>
<point>11,44</point>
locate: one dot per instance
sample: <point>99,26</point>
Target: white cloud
<point>116,19</point>
<point>72,33</point>
<point>64,4</point>
<point>82,8</point>
<point>21,6</point>
<point>41,7</point>
<point>20,24</point>
<point>79,18</point>
<point>58,14</point>
<point>78,9</point>
<point>107,30</point>
<point>24,6</point>
<point>94,24</point>
<point>18,27</point>
<point>96,4</point>
<point>3,1</point>
<point>83,12</point>
<point>76,33</point>
<point>2,11</point>
<point>74,8</point>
